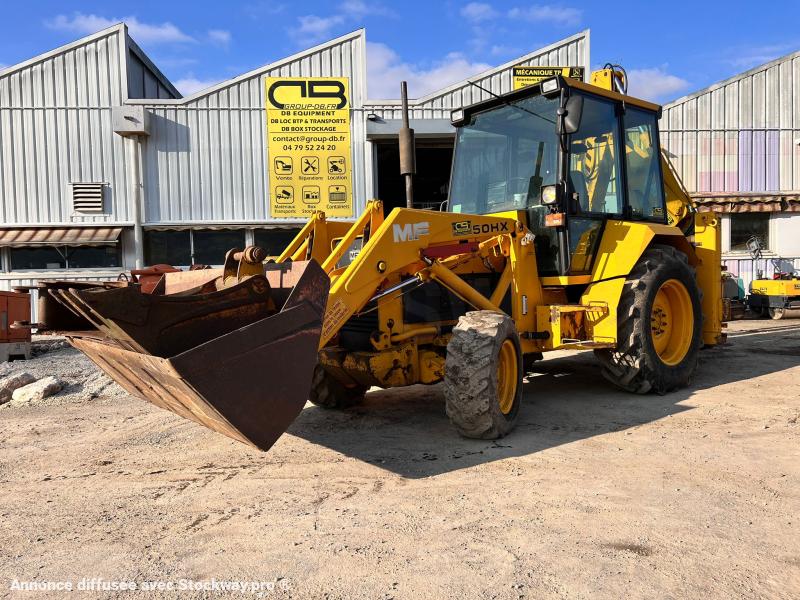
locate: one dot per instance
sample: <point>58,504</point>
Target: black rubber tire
<point>470,377</point>
<point>634,364</point>
<point>327,392</point>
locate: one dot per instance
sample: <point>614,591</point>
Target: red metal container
<point>14,306</point>
<point>14,343</point>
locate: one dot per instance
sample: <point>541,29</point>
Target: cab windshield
<point>504,156</point>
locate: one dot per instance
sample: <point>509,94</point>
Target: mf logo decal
<point>410,231</point>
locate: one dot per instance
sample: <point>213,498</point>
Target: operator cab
<point>551,152</point>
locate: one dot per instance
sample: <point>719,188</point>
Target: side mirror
<point>570,116</point>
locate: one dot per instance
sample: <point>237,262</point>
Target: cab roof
<point>531,90</point>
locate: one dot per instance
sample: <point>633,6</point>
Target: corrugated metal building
<point>84,196</point>
<point>736,144</point>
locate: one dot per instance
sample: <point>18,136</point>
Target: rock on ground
<point>82,381</point>
<point>10,383</point>
<point>37,390</point>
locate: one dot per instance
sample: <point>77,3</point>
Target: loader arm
<point>414,246</point>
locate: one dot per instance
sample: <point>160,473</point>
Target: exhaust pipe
<point>408,161</point>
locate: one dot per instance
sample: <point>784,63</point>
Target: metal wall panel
<point>55,128</point>
<point>206,157</point>
<point>144,81</point>
<point>739,134</point>
<point>571,51</point>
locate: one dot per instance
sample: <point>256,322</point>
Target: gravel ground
<point>54,356</point>
<point>597,493</point>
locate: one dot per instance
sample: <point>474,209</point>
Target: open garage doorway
<point>434,160</point>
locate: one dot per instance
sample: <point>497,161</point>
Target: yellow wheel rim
<point>507,373</point>
<point>672,322</point>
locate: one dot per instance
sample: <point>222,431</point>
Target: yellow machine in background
<point>776,298</point>
<point>566,228</point>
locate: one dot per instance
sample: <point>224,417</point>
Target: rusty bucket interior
<point>233,349</point>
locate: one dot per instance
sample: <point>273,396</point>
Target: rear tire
<point>327,392</point>
<point>659,325</point>
<point>483,375</point>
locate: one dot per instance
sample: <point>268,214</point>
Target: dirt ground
<point>597,493</point>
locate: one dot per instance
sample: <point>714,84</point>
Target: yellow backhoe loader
<point>566,228</point>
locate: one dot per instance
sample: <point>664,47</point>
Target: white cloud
<point>748,57</point>
<point>504,51</point>
<point>478,11</point>
<point>358,9</point>
<point>190,84</point>
<point>547,13</point>
<point>263,8</point>
<point>385,71</point>
<point>655,84</point>
<point>313,29</point>
<point>146,33</point>
<point>220,37</point>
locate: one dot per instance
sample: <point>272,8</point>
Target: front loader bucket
<point>224,359</point>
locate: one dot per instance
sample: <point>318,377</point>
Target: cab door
<point>594,175</point>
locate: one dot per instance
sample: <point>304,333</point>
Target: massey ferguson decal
<point>410,231</point>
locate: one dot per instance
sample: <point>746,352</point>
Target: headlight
<point>549,195</point>
<point>457,116</point>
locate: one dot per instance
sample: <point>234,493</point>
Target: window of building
<point>185,247</point>
<point>274,241</point>
<point>645,192</point>
<point>182,248</point>
<point>41,258</point>
<point>211,246</point>
<point>748,225</point>
<point>46,258</point>
<point>168,248</point>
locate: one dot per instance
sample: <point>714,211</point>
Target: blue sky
<point>668,51</point>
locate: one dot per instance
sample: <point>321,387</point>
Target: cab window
<point>594,161</point>
<point>642,166</point>
<point>504,156</point>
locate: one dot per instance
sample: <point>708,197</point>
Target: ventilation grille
<point>87,198</point>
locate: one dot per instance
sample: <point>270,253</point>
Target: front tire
<point>483,375</point>
<point>659,324</point>
<point>327,392</point>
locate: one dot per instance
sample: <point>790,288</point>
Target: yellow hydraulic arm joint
<point>369,221</point>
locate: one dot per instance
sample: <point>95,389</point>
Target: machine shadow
<point>406,431</point>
